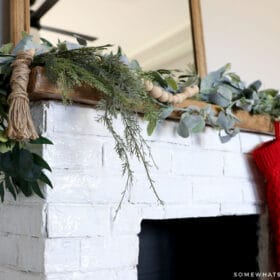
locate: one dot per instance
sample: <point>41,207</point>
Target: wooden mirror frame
<point>198,37</point>
<point>20,21</point>
<point>41,88</point>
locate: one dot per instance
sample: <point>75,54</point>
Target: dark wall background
<point>4,22</point>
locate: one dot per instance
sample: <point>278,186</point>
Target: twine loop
<point>17,94</point>
<point>20,124</point>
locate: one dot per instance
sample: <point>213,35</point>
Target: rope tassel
<point>20,124</point>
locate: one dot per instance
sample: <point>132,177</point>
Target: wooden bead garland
<point>165,96</point>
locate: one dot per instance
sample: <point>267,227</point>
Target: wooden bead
<point>171,97</point>
<point>148,85</point>
<point>164,97</point>
<point>175,99</point>
<point>191,91</point>
<point>181,97</point>
<point>156,92</point>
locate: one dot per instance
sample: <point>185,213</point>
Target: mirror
<point>159,34</point>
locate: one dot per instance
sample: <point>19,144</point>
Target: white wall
<point>245,33</point>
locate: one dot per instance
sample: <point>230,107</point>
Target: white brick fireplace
<point>72,236</point>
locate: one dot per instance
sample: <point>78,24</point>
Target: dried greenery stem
<point>123,94</point>
<point>131,144</point>
<point>139,147</point>
<point>120,149</point>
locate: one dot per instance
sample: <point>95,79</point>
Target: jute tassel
<point>20,124</point>
<point>165,96</point>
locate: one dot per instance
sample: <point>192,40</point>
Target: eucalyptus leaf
<point>151,126</point>
<point>41,49</point>
<point>211,119</point>
<point>210,115</point>
<point>230,114</point>
<point>212,78</point>
<point>222,97</point>
<point>6,59</point>
<point>183,129</point>
<point>190,124</point>
<point>245,104</point>
<point>225,121</point>
<point>166,112</point>
<point>124,59</point>
<point>134,65</point>
<point>72,46</point>
<point>224,138</point>
<point>207,110</point>
<point>250,93</point>
<point>256,85</point>
<point>235,81</point>
<point>234,77</point>
<point>197,124</point>
<point>234,88</point>
<point>25,44</point>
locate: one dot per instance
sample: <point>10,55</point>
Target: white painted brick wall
<point>22,219</point>
<point>197,163</point>
<point>62,255</point>
<point>8,250</point>
<point>107,252</point>
<point>77,220</point>
<point>72,236</point>
<point>112,274</point>
<point>13,274</point>
<point>31,253</point>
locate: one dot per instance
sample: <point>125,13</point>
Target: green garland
<point>121,82</point>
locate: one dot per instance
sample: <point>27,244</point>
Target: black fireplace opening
<point>198,248</point>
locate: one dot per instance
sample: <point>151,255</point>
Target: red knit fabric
<point>267,158</point>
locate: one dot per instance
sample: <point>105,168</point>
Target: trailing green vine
<point>123,94</point>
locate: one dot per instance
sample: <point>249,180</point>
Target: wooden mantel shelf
<point>40,88</point>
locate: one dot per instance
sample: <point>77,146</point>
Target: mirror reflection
<point>155,32</point>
